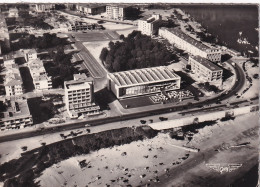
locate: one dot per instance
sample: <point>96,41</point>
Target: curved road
<point>237,86</point>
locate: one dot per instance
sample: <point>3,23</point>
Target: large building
<point>142,81</point>
<point>16,116</point>
<point>149,25</point>
<point>30,54</point>
<point>91,9</point>
<point>206,70</point>
<point>115,12</point>
<point>13,82</point>
<point>45,7</point>
<point>189,44</point>
<point>79,96</point>
<point>40,78</point>
<point>4,34</point>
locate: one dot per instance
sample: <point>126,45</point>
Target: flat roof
<point>178,32</point>
<point>206,63</point>
<point>143,76</point>
<point>32,51</point>
<point>78,84</point>
<point>16,109</point>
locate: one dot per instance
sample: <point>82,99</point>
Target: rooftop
<point>77,84</point>
<point>31,51</point>
<point>143,76</point>
<point>206,63</point>
<point>16,109</point>
<point>79,76</point>
<point>178,32</point>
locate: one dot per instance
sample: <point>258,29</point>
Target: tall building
<point>189,44</point>
<point>115,12</point>
<point>13,82</point>
<point>40,78</point>
<point>79,96</point>
<point>4,34</point>
<point>30,54</point>
<point>206,70</point>
<point>149,25</point>
<point>142,81</point>
<point>16,116</point>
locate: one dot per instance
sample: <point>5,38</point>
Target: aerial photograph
<point>129,94</point>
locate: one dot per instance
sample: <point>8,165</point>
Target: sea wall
<point>203,117</point>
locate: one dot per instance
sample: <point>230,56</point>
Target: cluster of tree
<point>208,87</point>
<point>43,42</point>
<point>60,6</point>
<point>170,23</point>
<point>60,68</point>
<point>136,51</point>
<point>132,13</point>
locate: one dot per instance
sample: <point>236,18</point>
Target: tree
<point>121,37</point>
<point>103,54</point>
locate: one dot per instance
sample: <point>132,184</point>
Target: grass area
<point>27,79</point>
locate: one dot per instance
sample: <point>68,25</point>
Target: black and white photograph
<point>134,94</point>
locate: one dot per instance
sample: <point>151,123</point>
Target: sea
<point>231,24</point>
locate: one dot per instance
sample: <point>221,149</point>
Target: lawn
<point>89,37</point>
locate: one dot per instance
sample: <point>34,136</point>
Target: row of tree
<point>43,42</point>
<point>136,51</point>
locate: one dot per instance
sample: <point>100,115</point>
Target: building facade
<point>115,12</point>
<point>30,54</point>
<point>79,96</point>
<point>45,7</point>
<point>16,116</point>
<point>142,81</point>
<point>185,42</point>
<point>206,70</point>
<point>91,9</point>
<point>40,78</point>
<point>13,82</point>
<point>149,25</point>
<point>13,12</point>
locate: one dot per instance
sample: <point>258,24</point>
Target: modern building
<point>4,34</point>
<point>13,82</point>
<point>206,70</point>
<point>149,25</point>
<point>79,96</point>
<point>80,26</point>
<point>16,116</point>
<point>13,12</point>
<point>40,78</point>
<point>91,9</point>
<point>185,42</point>
<point>8,59</point>
<point>45,7</point>
<point>115,12</point>
<point>30,54</point>
<point>142,81</point>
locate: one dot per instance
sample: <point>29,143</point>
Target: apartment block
<point>40,78</point>
<point>91,9</point>
<point>13,12</point>
<point>45,7</point>
<point>149,25</point>
<point>13,82</point>
<point>185,42</point>
<point>115,12</point>
<point>206,70</point>
<point>30,54</point>
<point>16,116</point>
<point>79,96</point>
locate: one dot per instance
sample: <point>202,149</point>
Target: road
<point>237,86</point>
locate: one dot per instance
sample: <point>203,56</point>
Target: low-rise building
<point>79,96</point>
<point>185,42</point>
<point>149,25</point>
<point>8,59</point>
<point>115,12</point>
<point>91,9</point>
<point>205,70</point>
<point>44,7</point>
<point>13,12</point>
<point>16,116</point>
<point>13,82</point>
<point>40,78</point>
<point>30,54</point>
<point>143,81</point>
<point>80,26</point>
